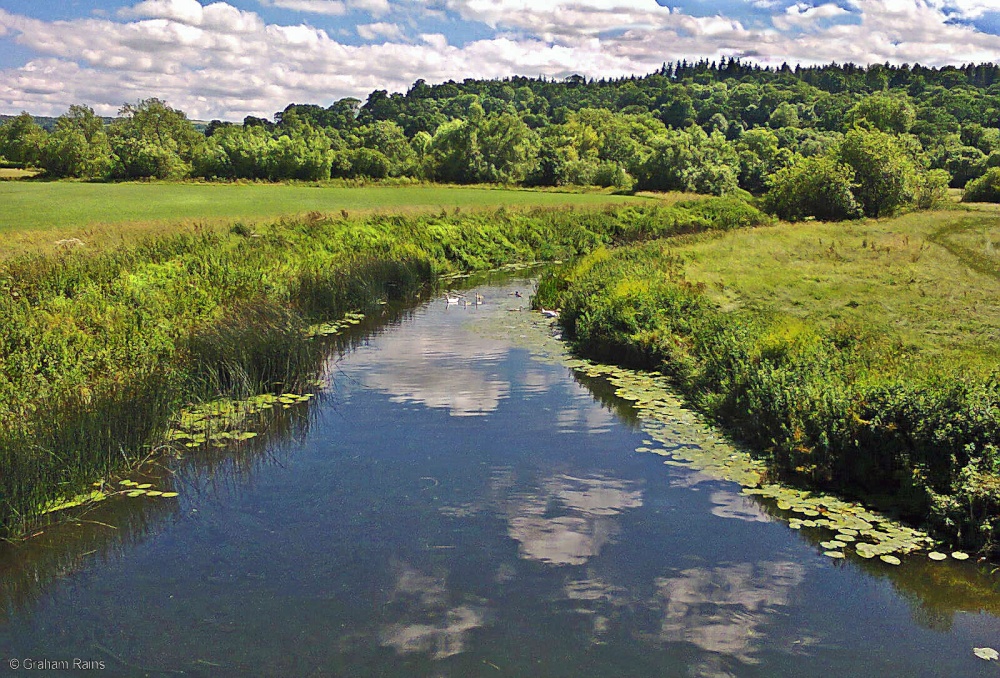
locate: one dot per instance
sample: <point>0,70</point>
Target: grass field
<point>13,173</point>
<point>932,279</point>
<point>76,206</point>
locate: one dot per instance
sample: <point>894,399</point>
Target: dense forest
<point>833,142</point>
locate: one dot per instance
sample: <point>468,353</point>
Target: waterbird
<point>550,314</point>
<point>449,299</point>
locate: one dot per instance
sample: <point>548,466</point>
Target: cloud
<point>803,16</point>
<point>381,29</point>
<point>218,16</point>
<point>373,7</point>
<point>965,9</point>
<point>331,7</point>
<point>328,7</point>
<point>218,61</point>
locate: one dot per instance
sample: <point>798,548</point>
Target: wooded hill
<point>832,141</point>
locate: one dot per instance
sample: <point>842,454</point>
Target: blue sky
<point>230,58</point>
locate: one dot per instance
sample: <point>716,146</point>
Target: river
<point>458,504</point>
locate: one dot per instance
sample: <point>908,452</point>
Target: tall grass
<point>100,347</point>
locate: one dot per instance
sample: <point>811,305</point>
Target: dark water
<point>456,507</point>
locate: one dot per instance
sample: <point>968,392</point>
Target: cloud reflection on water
<point>420,363</point>
<point>429,622</point>
<point>569,519</point>
<point>724,609</point>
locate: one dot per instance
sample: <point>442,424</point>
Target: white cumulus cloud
<point>379,30</point>
<point>218,61</point>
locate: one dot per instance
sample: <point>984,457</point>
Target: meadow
<point>74,209</point>
<point>857,357</point>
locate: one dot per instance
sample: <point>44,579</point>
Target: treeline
<point>835,141</point>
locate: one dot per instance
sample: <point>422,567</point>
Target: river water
<point>457,505</point>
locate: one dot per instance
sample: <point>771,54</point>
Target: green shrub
<point>984,189</point>
<point>817,187</point>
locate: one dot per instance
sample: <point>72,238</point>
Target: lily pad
<point>987,653</point>
<point>934,555</point>
<point>959,555</point>
<point>891,560</point>
<point>834,554</point>
<point>169,495</point>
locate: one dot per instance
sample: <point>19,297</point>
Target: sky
<point>227,59</point>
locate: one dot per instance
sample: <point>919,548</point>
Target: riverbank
<point>103,346</point>
<point>855,358</point>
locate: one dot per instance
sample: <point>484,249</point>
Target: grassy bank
<point>101,346</point>
<point>854,357</point>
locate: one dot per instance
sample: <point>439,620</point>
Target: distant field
<point>32,206</point>
<point>930,278</point>
<point>12,173</point>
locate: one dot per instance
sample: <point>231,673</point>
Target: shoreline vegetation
<point>852,358</point>
<point>856,359</point>
<point>103,348</point>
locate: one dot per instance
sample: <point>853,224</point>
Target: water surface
<point>457,506</point>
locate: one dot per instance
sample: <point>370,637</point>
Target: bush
<point>610,174</point>
<point>984,189</point>
<point>812,187</point>
<point>931,189</point>
<point>883,173</point>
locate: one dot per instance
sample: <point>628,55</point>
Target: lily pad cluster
<point>867,533</point>
<point>337,326</point>
<point>851,527</point>
<point>72,502</point>
<point>133,489</point>
<point>102,491</point>
<point>223,422</point>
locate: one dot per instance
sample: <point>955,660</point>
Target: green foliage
<point>151,139</point>
<point>760,157</point>
<point>690,160</point>
<point>784,115</point>
<point>892,114</point>
<point>984,189</point>
<point>454,154</point>
<point>21,140</point>
<point>963,163</point>
<point>78,147</point>
<point>817,187</point>
<point>884,173</point>
<point>931,189</point>
<point>552,133</point>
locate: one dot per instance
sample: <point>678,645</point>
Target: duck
<point>549,314</point>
